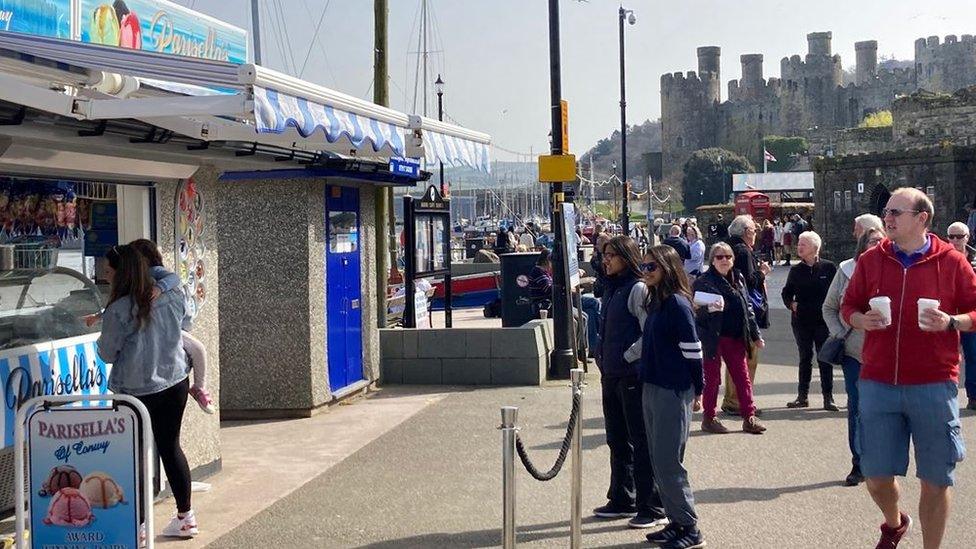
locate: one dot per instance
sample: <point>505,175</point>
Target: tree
<point>708,175</point>
<point>880,119</point>
<point>787,151</point>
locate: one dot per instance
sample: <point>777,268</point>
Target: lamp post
<point>625,222</point>
<point>439,87</point>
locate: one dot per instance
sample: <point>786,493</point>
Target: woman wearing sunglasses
<point>632,490</point>
<point>727,327</point>
<point>671,369</point>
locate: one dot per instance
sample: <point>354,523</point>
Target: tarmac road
<point>435,480</point>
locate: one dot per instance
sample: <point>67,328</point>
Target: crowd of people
<point>893,318</point>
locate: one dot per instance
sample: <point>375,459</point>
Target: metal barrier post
<point>509,431</point>
<point>576,474</point>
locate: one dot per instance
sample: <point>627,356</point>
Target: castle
<point>809,97</point>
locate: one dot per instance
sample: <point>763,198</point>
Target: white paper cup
<point>882,304</point>
<point>925,304</point>
<point>543,314</point>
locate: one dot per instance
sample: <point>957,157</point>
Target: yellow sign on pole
<point>557,168</point>
<point>564,109</point>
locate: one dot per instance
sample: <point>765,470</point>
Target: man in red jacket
<point>910,373</point>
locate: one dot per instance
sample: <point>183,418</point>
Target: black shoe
<point>972,404</point>
<point>689,537</point>
<point>611,511</point>
<point>669,533</point>
<point>855,477</point>
<point>647,521</point>
<point>730,410</point>
<point>800,402</point>
<point>830,406</point>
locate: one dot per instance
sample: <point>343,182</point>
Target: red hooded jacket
<point>903,354</point>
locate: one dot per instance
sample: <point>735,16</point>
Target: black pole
<point>625,222</point>
<point>410,266</point>
<point>448,293</point>
<point>562,358</point>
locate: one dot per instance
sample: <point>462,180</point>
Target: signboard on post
<point>571,242</point>
<point>427,225</point>
<point>84,477</point>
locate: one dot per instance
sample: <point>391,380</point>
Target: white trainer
<point>185,527</point>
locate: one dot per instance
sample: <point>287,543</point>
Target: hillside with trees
<point>641,139</point>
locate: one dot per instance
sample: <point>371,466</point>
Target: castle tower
<point>689,104</point>
<point>945,66</point>
<point>752,72</point>
<point>710,71</point>
<point>867,61</point>
<point>818,44</point>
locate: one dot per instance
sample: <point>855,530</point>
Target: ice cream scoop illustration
<point>101,490</point>
<point>69,508</point>
<point>104,28</point>
<point>62,476</point>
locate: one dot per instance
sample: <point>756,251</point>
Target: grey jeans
<point>667,421</point>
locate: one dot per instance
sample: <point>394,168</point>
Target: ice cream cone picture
<point>101,490</point>
<point>130,32</point>
<point>69,508</point>
<point>104,28</point>
<point>62,476</point>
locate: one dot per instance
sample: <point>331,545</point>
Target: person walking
<point>742,239</point>
<point>777,240</point>
<point>958,235</point>
<point>766,239</point>
<point>864,222</point>
<point>671,372</point>
<point>853,343</point>
<point>728,331</point>
<point>696,248</point>
<point>908,387</point>
<point>787,241</point>
<point>803,294</point>
<point>632,491</point>
<point>142,340</point>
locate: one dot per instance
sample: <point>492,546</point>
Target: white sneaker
<point>185,527</point>
<point>142,535</point>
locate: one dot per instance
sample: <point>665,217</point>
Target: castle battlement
<point>678,81</point>
<point>933,46</point>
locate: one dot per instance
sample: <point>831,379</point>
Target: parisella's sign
<point>160,26</point>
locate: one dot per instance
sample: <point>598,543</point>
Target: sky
<point>493,55</point>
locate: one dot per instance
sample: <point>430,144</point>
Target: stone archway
<point>879,199</point>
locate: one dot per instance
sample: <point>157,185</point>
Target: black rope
<point>551,473</point>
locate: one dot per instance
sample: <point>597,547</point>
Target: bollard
<point>576,475</point>
<point>509,430</point>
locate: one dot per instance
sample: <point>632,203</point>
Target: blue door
<point>343,293</point>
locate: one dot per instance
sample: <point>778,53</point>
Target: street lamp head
<point>439,85</point>
<point>631,18</point>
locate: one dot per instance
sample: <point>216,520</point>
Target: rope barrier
<point>563,450</point>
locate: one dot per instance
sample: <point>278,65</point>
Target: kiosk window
<point>343,232</point>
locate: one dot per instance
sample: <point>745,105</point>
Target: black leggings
<point>166,413</point>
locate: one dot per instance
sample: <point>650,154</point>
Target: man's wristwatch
<point>953,324</point>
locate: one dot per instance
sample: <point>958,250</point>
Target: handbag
<point>832,351</point>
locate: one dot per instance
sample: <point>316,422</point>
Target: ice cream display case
<point>43,306</point>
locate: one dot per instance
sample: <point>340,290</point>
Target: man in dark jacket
<point>675,241</point>
<point>742,238</point>
<point>804,294</point>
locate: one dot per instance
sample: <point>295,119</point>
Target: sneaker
<point>202,396</point>
<point>854,477</point>
<point>612,511</point>
<point>647,521</point>
<point>753,426</point>
<point>185,527</point>
<point>800,402</point>
<point>891,536</point>
<point>670,532</point>
<point>714,426</point>
<point>689,537</point>
<point>830,406</point>
<point>142,535</point>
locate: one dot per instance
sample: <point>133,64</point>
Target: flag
<point>768,156</point>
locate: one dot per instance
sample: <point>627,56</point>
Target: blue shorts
<point>928,415</point>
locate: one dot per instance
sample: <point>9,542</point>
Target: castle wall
<point>945,66</point>
<point>924,119</point>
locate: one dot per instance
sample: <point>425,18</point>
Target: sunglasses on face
<point>895,212</point>
<point>721,257</point>
<point>649,267</point>
<point>958,236</point>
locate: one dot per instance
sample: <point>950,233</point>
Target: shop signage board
<point>63,367</point>
<point>427,223</point>
<point>41,17</point>
<point>160,26</point>
<point>84,477</point>
<point>405,167</point>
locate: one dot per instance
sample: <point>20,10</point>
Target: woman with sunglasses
<point>671,369</point>
<point>142,340</point>
<point>727,327</point>
<point>853,342</point>
<point>632,491</point>
<point>958,235</point>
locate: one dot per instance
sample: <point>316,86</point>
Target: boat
<point>467,291</point>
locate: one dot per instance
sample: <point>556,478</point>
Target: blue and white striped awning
<point>454,151</point>
<point>275,112</point>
